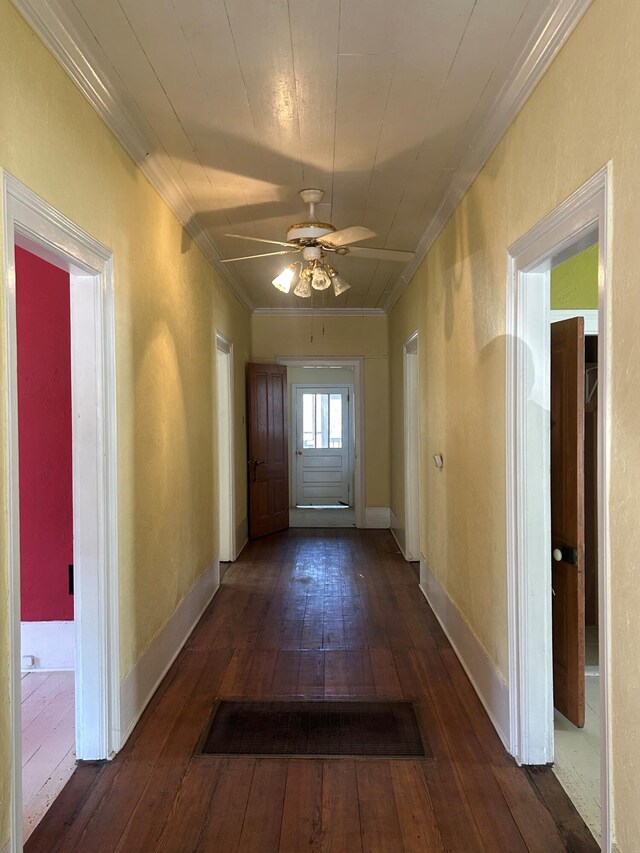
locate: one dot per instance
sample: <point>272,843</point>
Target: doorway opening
<point>226,450</point>
<point>574,521</point>
<point>326,472</point>
<point>322,461</point>
<point>46,532</point>
<point>550,381</point>
<point>411,451</point>
<point>30,224</point>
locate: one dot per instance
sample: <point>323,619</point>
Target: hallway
<point>312,613</point>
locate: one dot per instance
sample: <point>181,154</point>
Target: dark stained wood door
<point>268,442</point>
<point>567,517</point>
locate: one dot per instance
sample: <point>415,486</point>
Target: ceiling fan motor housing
<point>306,233</point>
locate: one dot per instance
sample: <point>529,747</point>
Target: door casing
<point>226,455</point>
<point>411,449</point>
<point>357,364</point>
<point>32,223</point>
<point>528,476</point>
<point>326,388</point>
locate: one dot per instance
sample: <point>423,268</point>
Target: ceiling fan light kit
<point>286,278</point>
<point>303,288</point>
<point>314,240</point>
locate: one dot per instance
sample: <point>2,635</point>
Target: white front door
<point>323,460</point>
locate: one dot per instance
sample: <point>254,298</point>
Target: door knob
<point>566,555</point>
<point>298,453</point>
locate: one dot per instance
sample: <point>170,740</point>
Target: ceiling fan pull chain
<point>323,305</point>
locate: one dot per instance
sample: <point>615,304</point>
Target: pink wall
<point>44,416</point>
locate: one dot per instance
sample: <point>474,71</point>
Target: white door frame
<point>321,386</point>
<point>226,453</point>
<point>411,449</point>
<point>33,224</point>
<point>357,364</point>
<point>528,476</point>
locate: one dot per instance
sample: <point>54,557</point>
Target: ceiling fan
<point>315,240</point>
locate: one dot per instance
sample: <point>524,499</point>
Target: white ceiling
<point>245,102</point>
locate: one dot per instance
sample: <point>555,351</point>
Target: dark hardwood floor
<point>313,613</point>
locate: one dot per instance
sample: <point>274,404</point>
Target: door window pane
<point>321,421</point>
<point>335,420</point>
<point>308,420</point>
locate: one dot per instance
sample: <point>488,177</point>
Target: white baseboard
<point>492,689</point>
<point>51,644</point>
<point>142,682</point>
<point>398,533</point>
<point>377,517</point>
<point>242,536</point>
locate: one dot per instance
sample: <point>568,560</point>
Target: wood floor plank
<point>311,674</point>
<point>379,824</point>
<point>385,674</point>
<point>222,825</point>
<point>183,827</point>
<point>302,812</point>
<point>263,817</point>
<point>336,673</point>
<point>101,824</point>
<point>260,675</point>
<point>286,673</point>
<point>538,828</point>
<point>315,614</point>
<point>31,681</point>
<point>360,674</point>
<point>146,821</point>
<point>418,822</point>
<point>340,808</point>
<point>572,828</point>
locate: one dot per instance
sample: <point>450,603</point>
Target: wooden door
<point>323,462</point>
<point>567,517</point>
<point>268,432</point>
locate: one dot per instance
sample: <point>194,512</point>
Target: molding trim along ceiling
<point>320,312</point>
<point>51,24</point>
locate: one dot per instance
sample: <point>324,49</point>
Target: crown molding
<point>318,312</point>
<point>540,51</point>
<point>52,25</point>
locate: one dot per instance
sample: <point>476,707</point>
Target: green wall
<point>574,283</point>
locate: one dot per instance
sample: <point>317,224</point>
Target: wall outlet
<point>28,661</point>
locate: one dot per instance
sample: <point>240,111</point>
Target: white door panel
<point>323,461</point>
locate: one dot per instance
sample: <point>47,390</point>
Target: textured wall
<point>274,336</point>
<point>169,301</point>
<point>582,114</point>
<point>574,283</point>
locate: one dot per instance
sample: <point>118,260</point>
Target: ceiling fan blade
<point>381,254</point>
<point>263,255</point>
<point>354,234</point>
<point>258,239</point>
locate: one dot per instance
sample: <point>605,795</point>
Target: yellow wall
<point>367,336</point>
<point>168,301</point>
<point>581,115</point>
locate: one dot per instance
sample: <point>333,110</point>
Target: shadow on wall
<point>459,259</point>
<point>170,454</point>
